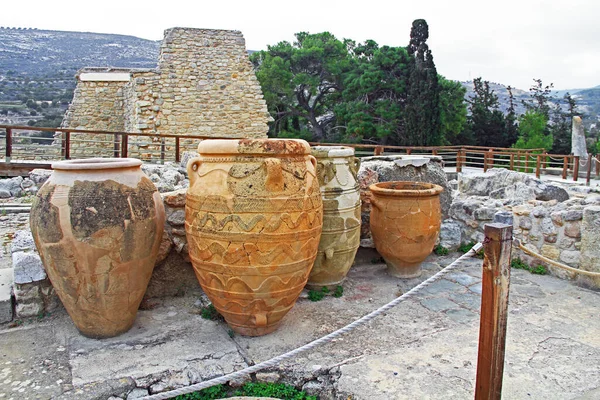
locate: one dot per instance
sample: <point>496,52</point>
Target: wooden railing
<point>20,147</point>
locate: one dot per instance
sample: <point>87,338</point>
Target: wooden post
<point>124,145</point>
<point>459,160</point>
<point>408,151</point>
<point>8,148</point>
<point>538,166</point>
<point>378,150</point>
<point>565,167</point>
<point>494,311</point>
<point>434,152</point>
<point>67,145</point>
<point>177,157</point>
<point>485,161</point>
<point>545,160</point>
<point>526,162</point>
<point>162,150</point>
<point>588,173</point>
<point>512,162</point>
<point>575,168</point>
<point>491,159</point>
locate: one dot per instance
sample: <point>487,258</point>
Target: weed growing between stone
<point>256,389</point>
<point>338,292</point>
<point>317,295</point>
<point>517,263</point>
<point>440,250</point>
<point>210,312</point>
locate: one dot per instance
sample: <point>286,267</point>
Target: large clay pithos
<point>253,222</point>
<point>336,169</point>
<point>405,224</point>
<point>97,224</point>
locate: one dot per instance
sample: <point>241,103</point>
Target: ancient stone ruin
<point>204,85</point>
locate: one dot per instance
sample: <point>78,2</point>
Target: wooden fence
<point>24,152</point>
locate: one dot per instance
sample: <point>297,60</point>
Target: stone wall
<point>547,219</point>
<point>204,85</point>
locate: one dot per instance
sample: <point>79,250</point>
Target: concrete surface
<point>425,348</point>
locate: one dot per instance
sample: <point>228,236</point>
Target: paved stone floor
<point>425,348</point>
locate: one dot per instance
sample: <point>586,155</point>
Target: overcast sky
<point>510,41</point>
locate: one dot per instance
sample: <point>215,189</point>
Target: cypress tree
<point>422,118</point>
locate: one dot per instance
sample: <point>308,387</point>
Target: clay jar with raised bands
<point>405,224</point>
<point>97,224</point>
<point>253,222</point>
<point>336,169</point>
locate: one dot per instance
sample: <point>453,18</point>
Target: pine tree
<point>486,121</point>
<point>422,104</point>
<point>511,128</point>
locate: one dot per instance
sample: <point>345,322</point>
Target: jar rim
<point>96,163</point>
<point>254,146</point>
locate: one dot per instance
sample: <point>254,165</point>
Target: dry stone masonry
<point>559,224</point>
<point>204,85</point>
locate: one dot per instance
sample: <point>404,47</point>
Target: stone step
<point>15,208</point>
<point>6,303</point>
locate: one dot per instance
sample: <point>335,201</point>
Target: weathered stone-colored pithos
<point>98,224</point>
<point>204,85</point>
<point>405,223</point>
<point>253,222</point>
<point>336,169</point>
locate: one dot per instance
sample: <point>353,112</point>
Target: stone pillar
<point>590,246</point>
<point>578,145</point>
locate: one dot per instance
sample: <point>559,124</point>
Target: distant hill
<point>40,65</point>
<point>587,100</point>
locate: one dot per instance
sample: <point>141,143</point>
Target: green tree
<point>422,113</point>
<point>302,82</point>
<point>511,128</point>
<point>453,111</point>
<point>486,122</point>
<point>540,98</point>
<point>532,131</point>
<point>561,125</point>
<point>374,95</point>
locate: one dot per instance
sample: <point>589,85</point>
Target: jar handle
<point>275,181</point>
<point>192,169</point>
<point>355,167</point>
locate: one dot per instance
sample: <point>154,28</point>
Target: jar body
<point>97,225</point>
<point>253,223</point>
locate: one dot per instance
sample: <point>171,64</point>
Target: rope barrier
<point>325,339</point>
<point>532,253</point>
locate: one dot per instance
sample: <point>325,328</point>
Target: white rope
<point>325,339</point>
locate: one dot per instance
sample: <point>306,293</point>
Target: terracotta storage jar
<point>405,224</point>
<point>97,224</point>
<point>253,222</point>
<point>336,169</point>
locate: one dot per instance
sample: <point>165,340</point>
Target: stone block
<point>485,214</point>
<point>450,235</point>
<point>504,217</point>
<point>6,298</point>
<point>28,310</point>
<point>22,241</point>
<point>175,199</point>
<point>570,257</point>
<point>573,229</point>
<point>590,245</point>
<point>550,252</point>
<point>27,267</point>
<point>525,223</point>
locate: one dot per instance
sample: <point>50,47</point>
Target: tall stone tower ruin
<point>204,85</point>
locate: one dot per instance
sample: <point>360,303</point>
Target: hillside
<point>587,100</point>
<point>40,65</point>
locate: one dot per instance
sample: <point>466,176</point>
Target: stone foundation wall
<point>555,228</point>
<point>204,85</point>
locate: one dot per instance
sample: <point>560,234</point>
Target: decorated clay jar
<point>336,169</point>
<point>97,224</point>
<point>253,223</point>
<point>405,224</point>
